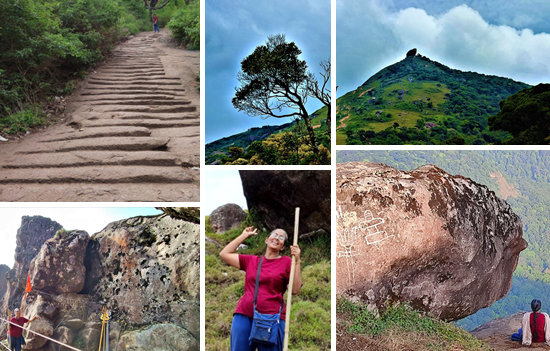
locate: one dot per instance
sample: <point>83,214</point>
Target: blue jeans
<point>240,332</point>
<point>16,343</point>
<point>157,27</point>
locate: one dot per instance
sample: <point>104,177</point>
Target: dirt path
<point>342,124</point>
<point>132,133</point>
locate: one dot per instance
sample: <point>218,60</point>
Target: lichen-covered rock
<point>442,243</point>
<point>3,281</point>
<point>226,217</point>
<point>160,337</point>
<point>274,195</point>
<point>59,266</point>
<point>34,232</point>
<point>146,270</point>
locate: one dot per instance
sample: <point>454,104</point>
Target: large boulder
<point>442,243</point>
<point>226,217</point>
<point>274,195</point>
<point>34,232</point>
<point>146,270</point>
<point>59,266</point>
<point>160,337</point>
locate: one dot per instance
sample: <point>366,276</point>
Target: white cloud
<point>460,38</point>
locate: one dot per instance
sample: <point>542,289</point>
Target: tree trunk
<point>328,121</point>
<point>311,133</point>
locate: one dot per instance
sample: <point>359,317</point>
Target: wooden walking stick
<point>291,282</point>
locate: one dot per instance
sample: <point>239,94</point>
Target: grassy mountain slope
<point>420,101</point>
<point>522,177</point>
<point>224,286</point>
<point>218,149</point>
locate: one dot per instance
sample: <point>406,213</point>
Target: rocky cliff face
<point>275,194</point>
<point>34,232</point>
<point>145,270</point>
<point>443,243</point>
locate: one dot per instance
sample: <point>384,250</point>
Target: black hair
<point>535,307</point>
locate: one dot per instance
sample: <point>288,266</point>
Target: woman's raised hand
<point>250,231</point>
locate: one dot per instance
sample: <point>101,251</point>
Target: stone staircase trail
<point>133,135</point>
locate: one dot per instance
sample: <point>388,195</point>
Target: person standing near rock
<point>156,23</point>
<point>274,278</point>
<point>536,327</point>
<point>16,333</point>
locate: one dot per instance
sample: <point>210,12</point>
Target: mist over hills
<point>420,101</point>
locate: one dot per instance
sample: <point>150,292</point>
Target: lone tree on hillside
<point>273,79</point>
<point>322,93</point>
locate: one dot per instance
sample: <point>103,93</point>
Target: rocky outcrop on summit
<point>442,243</point>
<point>32,234</point>
<point>275,194</point>
<point>226,217</point>
<point>59,266</point>
<point>411,52</point>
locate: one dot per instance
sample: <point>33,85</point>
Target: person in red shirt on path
<point>16,333</point>
<point>156,23</point>
<point>274,279</point>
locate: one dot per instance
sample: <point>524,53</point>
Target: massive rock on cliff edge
<point>32,234</point>
<point>443,243</point>
<point>275,194</point>
<point>145,270</point>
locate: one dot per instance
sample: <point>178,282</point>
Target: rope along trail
<point>44,336</point>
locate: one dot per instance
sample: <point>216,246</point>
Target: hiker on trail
<point>16,333</point>
<point>274,278</point>
<point>535,325</point>
<point>156,23</point>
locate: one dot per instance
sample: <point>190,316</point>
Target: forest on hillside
<point>522,178</point>
<point>46,47</point>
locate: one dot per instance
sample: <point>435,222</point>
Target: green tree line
<point>46,45</point>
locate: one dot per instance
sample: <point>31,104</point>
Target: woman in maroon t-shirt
<point>274,279</point>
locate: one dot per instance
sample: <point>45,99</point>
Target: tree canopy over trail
<point>276,83</point>
<point>46,45</point>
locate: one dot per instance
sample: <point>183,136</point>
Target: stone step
<point>154,110</point>
<point>137,82</point>
<point>114,131</point>
<point>100,174</point>
<point>102,143</point>
<point>116,97</point>
<point>94,158</point>
<point>147,123</point>
<point>78,192</point>
<point>150,103</point>
<point>135,89</point>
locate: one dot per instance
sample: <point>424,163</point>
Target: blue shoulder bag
<point>265,327</point>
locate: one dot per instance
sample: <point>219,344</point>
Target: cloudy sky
<point>92,220</point>
<point>224,187</point>
<point>233,29</point>
<point>497,37</point>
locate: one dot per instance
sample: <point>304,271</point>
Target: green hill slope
<point>219,149</point>
<point>420,101</point>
